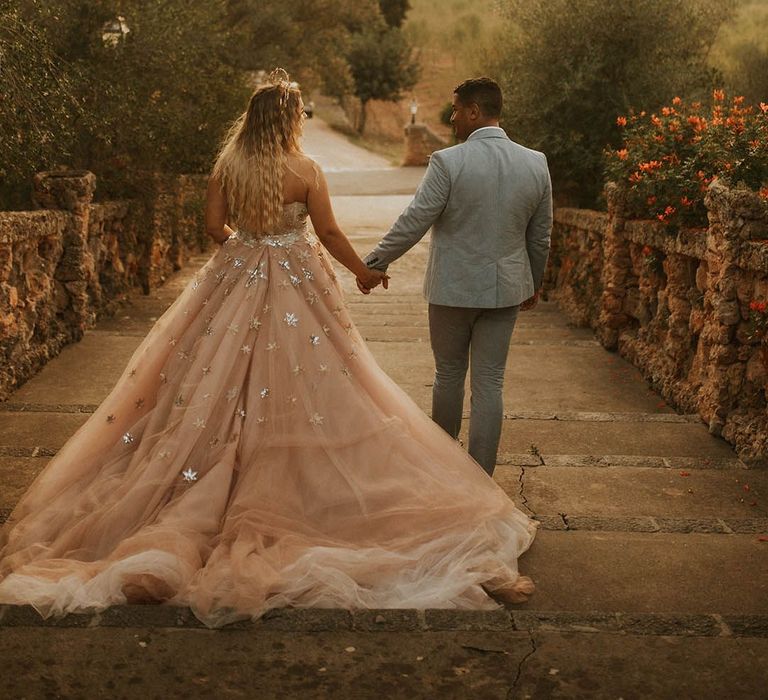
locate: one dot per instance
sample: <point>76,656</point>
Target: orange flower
<point>656,121</point>
<point>658,138</point>
<point>764,192</point>
<point>667,111</point>
<point>718,95</point>
<point>676,101</point>
<point>651,200</point>
<point>670,210</point>
<point>635,177</point>
<point>622,154</point>
<point>697,123</point>
<point>647,250</point>
<point>650,166</point>
<point>686,202</point>
<point>621,121</point>
<point>738,100</point>
<point>764,108</point>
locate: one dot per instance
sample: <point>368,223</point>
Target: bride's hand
<point>371,279</point>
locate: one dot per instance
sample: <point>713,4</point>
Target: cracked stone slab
<point>467,620</point>
<point>602,417</point>
<point>668,495</point>
<point>382,620</point>
<point>619,665</point>
<point>593,438</point>
<point>638,572</point>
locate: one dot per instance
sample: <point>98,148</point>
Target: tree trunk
<point>363,117</point>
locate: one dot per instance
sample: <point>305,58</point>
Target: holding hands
<point>370,279</point>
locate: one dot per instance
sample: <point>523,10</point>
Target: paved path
<point>651,563</point>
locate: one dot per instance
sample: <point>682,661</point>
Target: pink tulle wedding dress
<point>253,455</point>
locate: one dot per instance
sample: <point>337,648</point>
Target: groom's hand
<point>371,280</point>
<point>528,304</point>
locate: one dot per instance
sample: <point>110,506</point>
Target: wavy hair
<point>251,162</point>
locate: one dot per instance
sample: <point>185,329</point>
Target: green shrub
<point>568,69</point>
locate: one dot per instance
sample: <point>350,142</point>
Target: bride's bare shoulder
<point>307,169</point>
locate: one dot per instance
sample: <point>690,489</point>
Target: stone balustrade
<point>420,143</point>
<point>677,305</point>
<point>73,260</point>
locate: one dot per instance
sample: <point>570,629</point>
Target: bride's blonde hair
<point>252,159</point>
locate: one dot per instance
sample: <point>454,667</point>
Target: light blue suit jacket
<point>489,203</point>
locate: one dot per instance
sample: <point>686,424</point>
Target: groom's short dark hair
<point>484,92</point>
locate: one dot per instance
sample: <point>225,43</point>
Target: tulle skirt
<point>253,455</point>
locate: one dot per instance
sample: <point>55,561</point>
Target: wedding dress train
<point>253,455</point>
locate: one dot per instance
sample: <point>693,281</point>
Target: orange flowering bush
<point>667,160</point>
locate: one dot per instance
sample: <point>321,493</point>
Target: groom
<point>489,203</point>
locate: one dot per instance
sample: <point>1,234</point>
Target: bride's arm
<point>331,236</point>
<point>216,212</point>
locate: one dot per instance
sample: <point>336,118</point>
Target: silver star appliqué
<point>314,340</point>
<point>291,319</point>
<point>189,474</point>
<point>264,393</point>
<point>127,438</point>
<point>246,349</point>
<point>316,419</point>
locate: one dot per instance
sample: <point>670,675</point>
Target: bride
<point>253,455</point>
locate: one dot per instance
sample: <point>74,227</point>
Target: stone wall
<point>72,261</point>
<point>420,143</point>
<point>676,305</point>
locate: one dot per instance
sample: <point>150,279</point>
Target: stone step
<point>562,437</point>
<point>149,660</point>
<point>582,571</point>
<point>660,494</point>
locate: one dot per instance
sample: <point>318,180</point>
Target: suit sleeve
<point>538,232</point>
<point>427,205</point>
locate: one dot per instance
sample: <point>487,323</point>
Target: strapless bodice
<point>292,228</point>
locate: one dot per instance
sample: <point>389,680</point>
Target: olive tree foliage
<point>309,38</point>
<point>741,51</point>
<point>569,69</point>
<point>37,110</point>
<point>155,100</point>
<point>394,11</point>
<point>383,66</point>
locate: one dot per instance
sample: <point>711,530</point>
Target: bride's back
<point>300,174</point>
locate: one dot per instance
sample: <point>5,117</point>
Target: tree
<point>394,11</point>
<point>382,67</point>
<point>309,38</point>
<point>570,69</point>
<point>37,110</point>
<point>157,100</point>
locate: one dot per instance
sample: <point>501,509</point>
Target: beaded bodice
<point>293,226</point>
